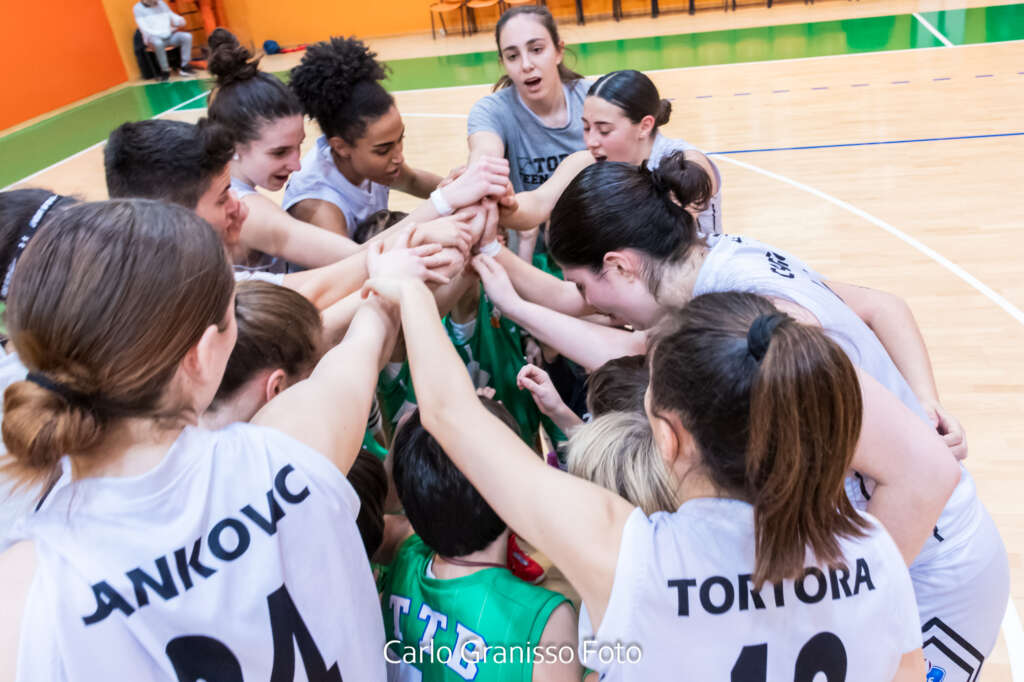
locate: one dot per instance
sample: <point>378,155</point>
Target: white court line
<point>986,290</point>
<point>934,31</point>
<point>88,149</point>
<point>1013,633</point>
<point>435,115</point>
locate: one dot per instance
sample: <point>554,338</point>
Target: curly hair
<point>245,98</point>
<point>338,82</point>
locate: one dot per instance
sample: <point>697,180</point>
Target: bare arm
<point>537,286</point>
<point>914,470</point>
<point>892,321</point>
<point>416,181</point>
<point>561,630</point>
<point>346,375</point>
<point>575,523</point>
<point>322,214</point>
<point>485,143</point>
<point>585,343</point>
<point>272,230</point>
<point>534,207</point>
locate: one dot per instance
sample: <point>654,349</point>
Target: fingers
<point>425,250</point>
<point>439,260</point>
<point>434,277</point>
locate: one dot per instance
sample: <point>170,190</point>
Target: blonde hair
<point>617,452</point>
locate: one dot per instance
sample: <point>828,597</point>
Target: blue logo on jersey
<point>935,674</point>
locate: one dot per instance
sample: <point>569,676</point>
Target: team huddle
<point>305,441</point>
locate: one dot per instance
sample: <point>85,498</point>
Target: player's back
<point>684,595</point>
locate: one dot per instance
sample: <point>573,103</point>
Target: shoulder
<point>490,112</point>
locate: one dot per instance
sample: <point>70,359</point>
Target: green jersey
<point>481,627</point>
<point>494,355</point>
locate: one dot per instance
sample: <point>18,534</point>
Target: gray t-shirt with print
<point>533,149</point>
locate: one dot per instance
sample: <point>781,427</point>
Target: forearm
<point>327,285</point>
<point>532,210</point>
<point>418,182</point>
<point>337,318</point>
<point>447,295</point>
<point>902,339</point>
<point>585,343</point>
<point>565,419</point>
<point>914,471</point>
<point>537,286</point>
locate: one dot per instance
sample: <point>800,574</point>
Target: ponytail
<point>688,182</point>
<point>775,409</point>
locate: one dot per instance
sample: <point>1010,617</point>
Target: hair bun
<point>331,69</point>
<point>230,61</point>
<point>664,112</point>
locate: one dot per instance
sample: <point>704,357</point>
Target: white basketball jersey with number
<point>683,606</point>
<point>236,558</point>
<point>961,574</point>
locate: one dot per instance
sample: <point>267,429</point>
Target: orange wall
<point>122,22</point>
<point>305,21</point>
<point>54,54</point>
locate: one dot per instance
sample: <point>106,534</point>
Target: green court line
<point>38,146</point>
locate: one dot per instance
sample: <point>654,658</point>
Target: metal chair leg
<point>433,32</point>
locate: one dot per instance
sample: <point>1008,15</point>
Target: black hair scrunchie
<point>759,336</point>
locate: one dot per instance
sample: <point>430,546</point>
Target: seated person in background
<point>158,25</point>
<point>448,586</point>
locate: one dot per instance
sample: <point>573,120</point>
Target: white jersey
<point>241,187</point>
<point>961,574</point>
<point>319,178</point>
<point>683,603</point>
<point>236,557</point>
<point>710,219</point>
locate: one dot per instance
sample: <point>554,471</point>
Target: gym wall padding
<point>55,54</point>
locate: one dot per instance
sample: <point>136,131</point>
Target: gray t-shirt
<point>533,149</point>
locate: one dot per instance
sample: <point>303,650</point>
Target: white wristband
<point>440,203</point>
<point>492,249</point>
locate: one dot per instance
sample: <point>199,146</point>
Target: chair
<point>517,3</point>
<point>440,8</point>
<point>473,5</point>
<point>146,58</point>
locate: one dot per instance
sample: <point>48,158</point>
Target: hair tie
<point>23,240</point>
<point>660,185</point>
<point>759,336</point>
<point>70,395</point>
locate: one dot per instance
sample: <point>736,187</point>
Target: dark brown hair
<point>370,481</point>
<point>277,329</point>
<point>774,407</point>
<point>245,98</point>
<point>542,15</point>
<point>618,386</point>
<point>612,206</point>
<point>105,303</point>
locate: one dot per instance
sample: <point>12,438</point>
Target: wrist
<point>440,203</point>
<point>491,248</point>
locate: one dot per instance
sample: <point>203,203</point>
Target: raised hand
<point>485,177</point>
<point>496,283</point>
<point>403,261</point>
